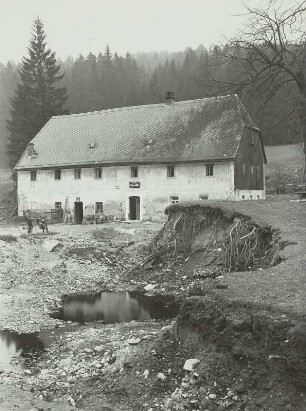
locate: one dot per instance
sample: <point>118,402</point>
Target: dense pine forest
<point>108,80</point>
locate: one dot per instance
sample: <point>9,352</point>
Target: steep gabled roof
<point>185,131</point>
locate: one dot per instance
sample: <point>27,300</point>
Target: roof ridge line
<point>138,107</point>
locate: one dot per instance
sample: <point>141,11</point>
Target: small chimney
<point>169,98</point>
<point>30,149</point>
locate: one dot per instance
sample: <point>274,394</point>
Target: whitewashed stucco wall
<point>113,190</point>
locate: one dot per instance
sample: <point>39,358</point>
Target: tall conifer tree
<point>37,97</point>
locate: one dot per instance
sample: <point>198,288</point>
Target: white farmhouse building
<point>132,162</point>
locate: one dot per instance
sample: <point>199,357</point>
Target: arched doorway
<point>134,208</point>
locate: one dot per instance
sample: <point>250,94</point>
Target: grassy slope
<point>7,195</point>
<point>287,157</point>
<point>283,286</point>
<point>6,183</point>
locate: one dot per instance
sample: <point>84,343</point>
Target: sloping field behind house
<point>7,195</point>
<point>287,157</point>
<point>6,183</point>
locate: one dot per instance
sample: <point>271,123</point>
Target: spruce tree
<point>37,97</point>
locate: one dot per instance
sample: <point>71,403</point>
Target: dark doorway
<point>78,212</point>
<point>134,208</point>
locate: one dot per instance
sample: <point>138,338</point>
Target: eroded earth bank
<point>106,317</point>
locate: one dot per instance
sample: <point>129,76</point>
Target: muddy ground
<point>139,365</point>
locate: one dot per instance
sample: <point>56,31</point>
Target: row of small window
<point>209,170</point>
<point>98,172</point>
<point>98,206</point>
<point>251,197</point>
<point>175,199</point>
<point>77,174</point>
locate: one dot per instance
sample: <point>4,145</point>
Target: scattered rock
<point>134,341</point>
<point>212,396</point>
<point>241,388</point>
<point>190,363</point>
<point>149,287</point>
<point>50,245</point>
<point>71,401</point>
<point>161,376</point>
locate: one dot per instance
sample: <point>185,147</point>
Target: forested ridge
<point>108,80</point>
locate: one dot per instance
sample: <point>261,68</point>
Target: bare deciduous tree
<point>271,55</point>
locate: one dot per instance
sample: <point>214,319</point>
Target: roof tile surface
<point>184,131</point>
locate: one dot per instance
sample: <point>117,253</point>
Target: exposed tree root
<point>232,243</point>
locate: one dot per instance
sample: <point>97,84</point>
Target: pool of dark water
<point>29,346</point>
<point>116,307</point>
<point>11,343</point>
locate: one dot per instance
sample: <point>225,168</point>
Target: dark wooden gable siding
<point>249,162</point>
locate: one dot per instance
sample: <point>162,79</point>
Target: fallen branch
<point>247,235</point>
<point>175,242</point>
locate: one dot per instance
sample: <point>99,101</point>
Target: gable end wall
<point>249,162</point>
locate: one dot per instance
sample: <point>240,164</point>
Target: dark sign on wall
<point>134,184</point>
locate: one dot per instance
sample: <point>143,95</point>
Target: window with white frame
<point>99,207</point>
<point>57,174</point>
<point>174,199</point>
<point>98,172</point>
<point>209,170</point>
<point>77,173</point>
<point>170,171</point>
<point>134,171</point>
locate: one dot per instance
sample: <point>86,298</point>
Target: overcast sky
<point>80,26</point>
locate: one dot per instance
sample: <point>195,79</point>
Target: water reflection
<point>12,343</point>
<point>115,307</point>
